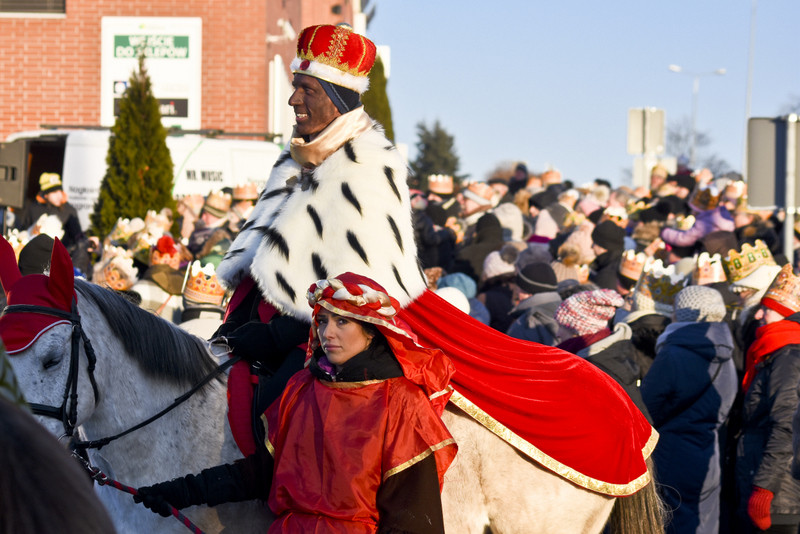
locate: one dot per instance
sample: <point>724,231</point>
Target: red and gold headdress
<point>335,54</point>
<point>783,295</point>
<point>360,298</point>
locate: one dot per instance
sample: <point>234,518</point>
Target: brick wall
<point>50,67</point>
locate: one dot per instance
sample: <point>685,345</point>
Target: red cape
<point>555,407</point>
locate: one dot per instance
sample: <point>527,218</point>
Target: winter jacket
<point>488,238</point>
<point>432,242</point>
<point>705,222</point>
<point>615,355</point>
<point>764,451</point>
<point>534,319</point>
<point>646,327</point>
<point>605,268</point>
<point>689,392</point>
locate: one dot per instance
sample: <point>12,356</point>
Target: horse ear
<point>62,276</point>
<point>9,270</point>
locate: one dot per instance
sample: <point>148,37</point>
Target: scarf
<point>310,154</point>
<point>769,338</point>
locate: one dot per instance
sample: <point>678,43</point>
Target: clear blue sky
<point>550,82</point>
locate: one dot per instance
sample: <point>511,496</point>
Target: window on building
<point>33,6</point>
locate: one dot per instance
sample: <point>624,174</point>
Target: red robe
<point>328,471</point>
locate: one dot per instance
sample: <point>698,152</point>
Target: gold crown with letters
<point>657,288</point>
<point>739,264</point>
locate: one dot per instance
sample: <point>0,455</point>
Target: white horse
<point>144,363</point>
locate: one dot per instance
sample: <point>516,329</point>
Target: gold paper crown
<point>685,222</point>
<point>783,295</point>
<point>166,252</point>
<point>657,287</point>
<point>115,269</point>
<point>737,264</point>
<point>705,198</point>
<point>248,191</point>
<point>218,203</point>
<point>708,270</point>
<point>632,264</point>
<point>202,287</point>
<point>441,184</point>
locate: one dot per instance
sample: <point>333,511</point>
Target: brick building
<point>55,59</point>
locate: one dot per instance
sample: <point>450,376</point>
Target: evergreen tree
<point>435,155</point>
<point>140,170</point>
<point>376,101</point>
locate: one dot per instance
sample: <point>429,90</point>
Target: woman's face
<point>341,338</point>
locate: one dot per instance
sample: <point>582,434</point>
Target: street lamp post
<point>695,92</point>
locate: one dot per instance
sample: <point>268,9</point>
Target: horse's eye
<point>52,362</point>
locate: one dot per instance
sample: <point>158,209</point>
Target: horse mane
<point>161,349</point>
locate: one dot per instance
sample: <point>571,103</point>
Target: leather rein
<point>67,413</point>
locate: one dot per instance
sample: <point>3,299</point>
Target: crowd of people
<point>664,288</point>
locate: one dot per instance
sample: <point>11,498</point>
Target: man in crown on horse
<point>337,201</point>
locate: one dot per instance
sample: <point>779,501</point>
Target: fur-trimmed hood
<point>351,213</point>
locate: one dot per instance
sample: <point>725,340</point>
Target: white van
<point>202,164</point>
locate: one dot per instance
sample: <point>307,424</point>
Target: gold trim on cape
<point>418,458</point>
<point>574,476</point>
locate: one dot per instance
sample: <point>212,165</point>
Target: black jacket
<point>764,450</point>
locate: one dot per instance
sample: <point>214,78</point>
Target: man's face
<point>313,109</point>
<point>56,198</point>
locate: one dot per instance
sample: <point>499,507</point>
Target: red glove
<point>758,507</point>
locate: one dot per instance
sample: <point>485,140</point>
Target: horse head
<point>38,327</point>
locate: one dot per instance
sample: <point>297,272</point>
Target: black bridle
<point>67,413</point>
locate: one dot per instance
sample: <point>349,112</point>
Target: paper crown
<point>202,286</point>
<point>158,222</point>
<point>441,184</point>
<point>685,222</point>
<point>708,269</point>
<point>783,295</point>
<point>657,288</point>
<point>248,191</point>
<point>479,192</point>
<point>705,198</point>
<point>115,269</point>
<point>49,181</point>
<point>632,264</point>
<point>123,230</point>
<point>165,252</point>
<point>218,203</point>
<point>739,264</point>
<point>335,54</point>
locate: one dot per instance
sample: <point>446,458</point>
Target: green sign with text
<point>155,46</point>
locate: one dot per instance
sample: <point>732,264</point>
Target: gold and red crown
<point>202,286</point>
<point>166,252</point>
<point>708,269</point>
<point>738,264</point>
<point>783,295</point>
<point>335,54</point>
<point>248,191</point>
<point>441,184</point>
<point>632,264</point>
<point>657,287</point>
<point>705,198</point>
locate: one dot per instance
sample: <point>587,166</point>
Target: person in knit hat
<point>538,300</point>
<point>767,492</point>
<point>608,243</point>
<point>689,391</point>
<point>465,284</point>
<point>584,330</point>
<point>488,237</point>
<point>584,318</point>
<point>497,286</point>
